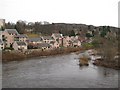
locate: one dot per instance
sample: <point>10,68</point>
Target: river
<point>61,71</point>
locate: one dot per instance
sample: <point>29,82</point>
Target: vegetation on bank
<point>16,56</point>
<point>111,64</point>
<point>107,46</point>
<point>83,61</point>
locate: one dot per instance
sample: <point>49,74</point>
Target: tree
<point>89,27</point>
<point>9,25</point>
<point>20,26</point>
<point>108,51</point>
<point>108,48</point>
<point>72,33</point>
<point>60,32</point>
<point>103,32</point>
<point>88,35</point>
<point>2,28</point>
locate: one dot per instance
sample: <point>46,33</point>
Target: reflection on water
<point>60,71</point>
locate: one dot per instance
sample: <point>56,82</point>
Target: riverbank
<point>8,56</point>
<point>18,56</point>
<point>98,60</point>
<point>113,64</point>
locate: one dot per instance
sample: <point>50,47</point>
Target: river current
<point>61,71</point>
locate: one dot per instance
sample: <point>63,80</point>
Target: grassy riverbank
<point>17,56</point>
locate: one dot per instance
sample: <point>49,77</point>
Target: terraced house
<point>1,45</point>
<point>8,36</point>
<point>17,41</point>
<point>21,37</point>
<point>58,37</point>
<point>1,41</point>
<point>51,41</point>
<point>19,45</point>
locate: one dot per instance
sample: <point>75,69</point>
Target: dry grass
<point>31,35</point>
<point>113,65</point>
<point>83,61</point>
<point>9,56</point>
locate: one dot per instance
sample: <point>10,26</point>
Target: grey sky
<point>95,12</point>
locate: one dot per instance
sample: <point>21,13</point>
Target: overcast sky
<point>94,12</point>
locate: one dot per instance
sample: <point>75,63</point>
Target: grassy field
<point>32,35</point>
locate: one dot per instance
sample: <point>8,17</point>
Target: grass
<point>83,61</point>
<point>32,35</point>
<point>16,56</point>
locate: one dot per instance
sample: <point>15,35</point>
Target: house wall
<point>55,45</point>
<point>66,41</point>
<point>34,43</point>
<point>77,44</point>
<point>2,46</point>
<point>23,39</point>
<point>47,40</point>
<point>2,23</point>
<point>22,47</point>
<point>9,38</point>
<point>15,46</point>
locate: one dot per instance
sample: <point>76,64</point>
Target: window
<point>3,36</point>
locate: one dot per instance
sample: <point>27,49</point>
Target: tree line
<point>66,29</point>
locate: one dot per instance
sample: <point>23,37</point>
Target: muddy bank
<point>16,56</point>
<point>113,65</point>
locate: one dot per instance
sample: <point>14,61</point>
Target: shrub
<point>9,48</point>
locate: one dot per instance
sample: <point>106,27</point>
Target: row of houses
<point>1,41</point>
<point>10,38</point>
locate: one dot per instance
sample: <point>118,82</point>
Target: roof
<point>1,32</point>
<point>35,39</point>
<point>48,37</point>
<point>57,35</point>
<point>43,45</point>
<point>52,42</point>
<point>74,40</point>
<point>22,36</point>
<point>20,43</point>
<point>1,41</point>
<point>13,31</point>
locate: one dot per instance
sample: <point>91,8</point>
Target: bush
<point>9,48</point>
<point>88,45</point>
<point>95,44</point>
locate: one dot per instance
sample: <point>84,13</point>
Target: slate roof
<point>57,35</point>
<point>43,45</point>
<point>48,37</point>
<point>35,39</point>
<point>75,41</point>
<point>20,43</point>
<point>22,36</point>
<point>12,31</point>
